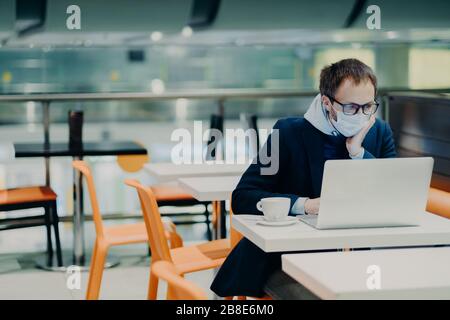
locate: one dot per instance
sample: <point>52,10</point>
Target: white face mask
<point>349,125</point>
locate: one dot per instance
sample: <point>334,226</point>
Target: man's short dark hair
<point>332,75</point>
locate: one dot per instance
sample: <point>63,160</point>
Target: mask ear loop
<point>326,113</point>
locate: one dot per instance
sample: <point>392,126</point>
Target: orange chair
<point>439,202</point>
<point>178,288</point>
<point>114,235</point>
<point>168,194</point>
<point>188,259</point>
<point>33,197</point>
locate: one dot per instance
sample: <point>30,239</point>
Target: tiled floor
<point>19,279</point>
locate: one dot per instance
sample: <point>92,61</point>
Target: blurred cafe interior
<point>93,94</point>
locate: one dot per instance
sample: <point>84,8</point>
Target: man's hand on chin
<point>354,144</point>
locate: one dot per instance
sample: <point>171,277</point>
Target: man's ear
<point>326,102</point>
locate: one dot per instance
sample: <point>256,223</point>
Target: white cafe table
<point>433,230</point>
<point>165,172</point>
<point>214,188</point>
<point>217,189</point>
<point>413,273</point>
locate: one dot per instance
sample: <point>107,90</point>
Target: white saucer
<point>285,222</point>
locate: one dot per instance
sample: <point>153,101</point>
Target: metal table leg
<point>220,231</point>
<point>223,221</point>
<point>46,120</point>
<point>78,257</point>
<point>78,219</point>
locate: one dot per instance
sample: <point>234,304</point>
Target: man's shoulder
<point>290,123</point>
<point>380,125</point>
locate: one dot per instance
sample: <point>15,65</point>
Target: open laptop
<point>372,193</point>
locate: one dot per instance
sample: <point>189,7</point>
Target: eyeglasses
<point>353,108</point>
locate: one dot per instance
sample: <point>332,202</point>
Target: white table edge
<point>306,280</point>
<point>171,177</point>
<point>323,292</point>
<point>409,240</point>
<point>211,196</point>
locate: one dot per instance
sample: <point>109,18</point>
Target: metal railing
<point>215,94</point>
<point>220,95</point>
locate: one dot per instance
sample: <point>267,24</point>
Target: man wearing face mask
<point>340,123</point>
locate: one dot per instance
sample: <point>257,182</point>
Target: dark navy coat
<point>301,163</point>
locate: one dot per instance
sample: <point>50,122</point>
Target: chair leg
<point>55,220</point>
<point>170,295</point>
<point>96,270</point>
<point>47,220</point>
<point>152,287</point>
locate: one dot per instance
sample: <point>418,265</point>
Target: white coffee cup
<point>274,208</point>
